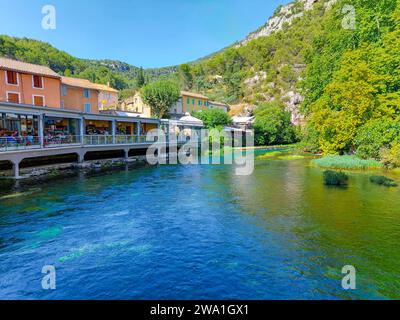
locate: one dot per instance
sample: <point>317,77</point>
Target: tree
<point>273,125</point>
<point>140,79</point>
<point>185,76</point>
<point>160,96</point>
<point>213,118</point>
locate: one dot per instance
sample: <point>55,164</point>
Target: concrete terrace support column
<point>126,154</point>
<point>81,157</point>
<point>16,169</point>
<point>41,130</point>
<point>82,129</point>
<point>113,130</point>
<point>138,131</point>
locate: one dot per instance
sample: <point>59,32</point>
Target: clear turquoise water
<point>201,232</point>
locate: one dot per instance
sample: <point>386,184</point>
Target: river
<point>201,232</point>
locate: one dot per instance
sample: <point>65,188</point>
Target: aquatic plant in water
<point>383,181</point>
<point>334,178</point>
<point>346,163</point>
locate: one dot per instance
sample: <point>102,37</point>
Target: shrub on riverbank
<point>334,178</point>
<point>383,181</point>
<point>347,163</point>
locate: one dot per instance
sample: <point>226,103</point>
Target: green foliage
<point>160,96</point>
<point>140,78</point>
<point>376,135</point>
<point>352,80</point>
<point>383,181</point>
<point>185,77</point>
<point>346,163</point>
<point>213,118</point>
<point>334,178</point>
<point>118,74</point>
<point>273,126</point>
<point>390,157</point>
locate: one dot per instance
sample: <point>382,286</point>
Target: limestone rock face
<point>292,101</point>
<point>261,75</point>
<point>286,14</point>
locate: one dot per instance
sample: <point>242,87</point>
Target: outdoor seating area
<point>18,131</point>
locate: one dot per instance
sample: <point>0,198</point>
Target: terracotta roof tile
<point>86,84</point>
<point>23,67</point>
<point>194,95</point>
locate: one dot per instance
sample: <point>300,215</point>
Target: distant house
<point>243,123</point>
<point>188,102</point>
<point>30,84</point>
<point>108,97</point>
<point>83,95</point>
<point>136,105</point>
<point>193,102</point>
<point>219,105</point>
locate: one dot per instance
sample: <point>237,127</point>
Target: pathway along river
<point>201,232</point>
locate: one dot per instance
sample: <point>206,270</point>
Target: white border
<point>38,95</point>
<point>18,93</point>
<point>33,83</point>
<point>11,84</point>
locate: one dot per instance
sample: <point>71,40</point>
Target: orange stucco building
<point>30,84</point>
<point>79,94</point>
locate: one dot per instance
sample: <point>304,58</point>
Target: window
<point>12,77</point>
<point>62,104</point>
<point>200,103</point>
<point>206,103</point>
<point>88,107</point>
<point>188,100</point>
<point>37,81</point>
<point>38,101</point>
<point>13,97</point>
<point>86,93</point>
<point>193,102</point>
<point>63,90</point>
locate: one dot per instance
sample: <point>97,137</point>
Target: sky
<point>147,33</point>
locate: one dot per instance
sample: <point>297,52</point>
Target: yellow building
<point>188,102</point>
<point>193,102</point>
<point>135,104</point>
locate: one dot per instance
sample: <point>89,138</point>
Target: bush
<point>333,178</point>
<point>390,158</point>
<point>374,136</point>
<point>383,181</point>
<point>273,126</point>
<point>213,118</point>
<point>346,163</point>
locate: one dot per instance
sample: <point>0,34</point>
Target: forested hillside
<point>344,81</point>
<point>120,75</point>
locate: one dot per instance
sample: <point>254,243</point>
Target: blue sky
<point>148,33</point>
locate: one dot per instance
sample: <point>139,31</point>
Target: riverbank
<point>64,169</point>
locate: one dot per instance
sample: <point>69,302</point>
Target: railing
<point>24,143</point>
<point>60,140</point>
<point>134,139</point>
<point>97,139</point>
<point>19,143</point>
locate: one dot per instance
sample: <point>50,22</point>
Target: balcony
<point>10,144</point>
